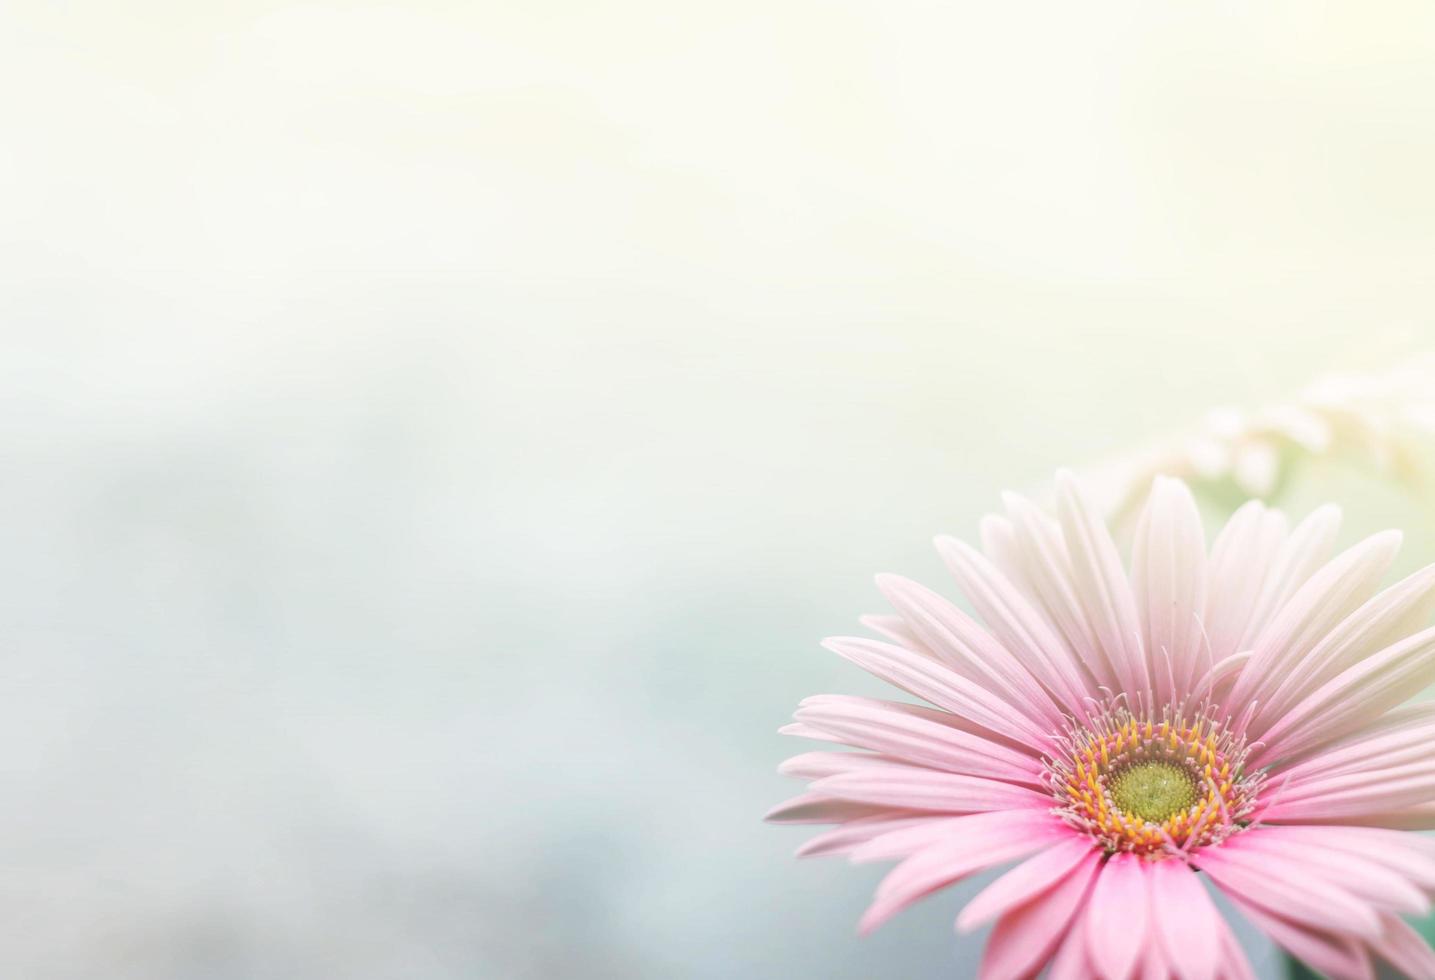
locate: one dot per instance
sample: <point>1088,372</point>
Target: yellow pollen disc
<point>1154,786</point>
<point>1153,790</point>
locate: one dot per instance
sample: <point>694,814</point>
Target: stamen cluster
<point>1154,788</point>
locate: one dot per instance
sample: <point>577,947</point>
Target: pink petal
<point>1073,958</point>
<point>926,712</point>
<point>1153,965</point>
<point>1396,612</point>
<point>1017,624</point>
<point>1394,794</point>
<point>895,628</point>
<point>1000,544</point>
<point>1332,593</point>
<point>1117,917</point>
<point>1046,568</point>
<point>1036,825</point>
<point>818,765</point>
<point>1168,574</point>
<point>1364,878</point>
<point>1355,697</point>
<point>1405,949</point>
<point>1403,735</point>
<point>855,833</point>
<point>1379,788</point>
<point>886,729</point>
<point>926,789</point>
<point>941,686</point>
<point>959,642</point>
<point>1241,558</point>
<point>1332,953</point>
<point>802,731</point>
<point>1219,675</point>
<point>1302,552</point>
<point>1234,965</point>
<point>1186,921</point>
<point>948,860</point>
<point>1419,817</point>
<point>817,808</point>
<point>1101,585</point>
<point>1410,854</point>
<point>1025,937</point>
<point>1285,887</point>
<point>1026,881</point>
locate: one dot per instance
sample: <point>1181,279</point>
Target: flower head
<point>1230,716</point>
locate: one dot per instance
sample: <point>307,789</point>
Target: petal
<point>819,765</point>
<point>1303,551</point>
<point>1332,594</point>
<point>958,641</point>
<point>1020,626</point>
<point>1186,921</point>
<point>1411,854</point>
<point>1168,575</point>
<point>1117,917</point>
<point>1355,697</point>
<point>886,728</point>
<point>1234,965</point>
<point>1417,817</point>
<point>854,833</point>
<point>1035,825</point>
<point>1331,953</point>
<point>1026,881</point>
<point>1242,557</point>
<point>1101,586</point>
<point>1405,949</point>
<point>802,731</point>
<point>1373,881</point>
<point>1046,566</point>
<point>1153,965</point>
<point>1376,788</point>
<point>941,686</point>
<point>1219,674</point>
<point>999,542</point>
<point>927,789</point>
<point>1286,887</point>
<point>935,715</point>
<point>895,628</point>
<point>1383,797</point>
<point>1396,612</point>
<point>1404,735</point>
<point>817,808</point>
<point>949,860</point>
<point>1017,624</point>
<point>1025,937</point>
<point>1073,959</point>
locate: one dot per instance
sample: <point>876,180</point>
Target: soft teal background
<point>439,434</point>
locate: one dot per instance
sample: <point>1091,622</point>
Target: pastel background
<point>438,434</point>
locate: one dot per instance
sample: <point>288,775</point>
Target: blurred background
<point>438,434</point>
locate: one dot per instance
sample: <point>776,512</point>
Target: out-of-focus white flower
<point>1384,423</point>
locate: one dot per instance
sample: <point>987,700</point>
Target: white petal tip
<point>1014,502</point>
<point>888,582</point>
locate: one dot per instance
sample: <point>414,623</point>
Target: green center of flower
<point>1153,790</point>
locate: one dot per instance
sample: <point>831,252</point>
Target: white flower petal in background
<point>1382,423</point>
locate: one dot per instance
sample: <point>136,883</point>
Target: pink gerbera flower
<point>1232,715</point>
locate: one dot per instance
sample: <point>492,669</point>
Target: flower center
<point>1152,790</point>
<point>1154,787</point>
